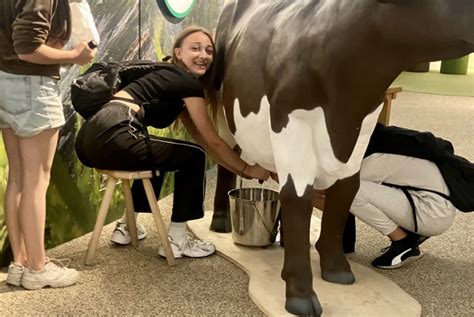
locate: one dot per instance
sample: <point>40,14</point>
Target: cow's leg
<point>334,265</point>
<point>296,216</point>
<point>221,216</point>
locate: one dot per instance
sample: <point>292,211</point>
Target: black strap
<point>413,207</point>
<point>405,190</point>
<point>425,190</point>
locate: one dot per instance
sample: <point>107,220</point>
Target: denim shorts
<point>29,104</point>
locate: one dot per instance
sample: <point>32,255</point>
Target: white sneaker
<point>53,275</point>
<point>189,247</point>
<point>121,235</point>
<point>15,273</point>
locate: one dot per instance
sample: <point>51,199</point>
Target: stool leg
<point>162,232</point>
<point>99,223</point>
<point>131,223</point>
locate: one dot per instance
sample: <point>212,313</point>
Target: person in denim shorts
<point>33,33</point>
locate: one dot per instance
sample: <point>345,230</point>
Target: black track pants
<point>113,139</point>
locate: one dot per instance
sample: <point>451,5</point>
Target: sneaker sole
<point>407,261</point>
<point>123,240</point>
<point>199,256</point>
<point>34,285</point>
<point>161,252</point>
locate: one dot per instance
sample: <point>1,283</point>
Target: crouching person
<point>410,185</point>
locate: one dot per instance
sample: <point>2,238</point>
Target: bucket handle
<point>241,214</point>
<point>270,231</point>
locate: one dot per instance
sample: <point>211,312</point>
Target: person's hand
<point>255,171</point>
<point>84,53</point>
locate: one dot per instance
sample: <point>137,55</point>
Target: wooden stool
<point>390,94</point>
<point>126,177</point>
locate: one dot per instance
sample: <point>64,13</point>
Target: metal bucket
<point>254,213</point>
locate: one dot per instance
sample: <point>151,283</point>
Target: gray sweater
<point>25,25</point>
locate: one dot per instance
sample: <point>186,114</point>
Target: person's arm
<point>196,120</point>
<point>47,55</point>
<point>30,33</point>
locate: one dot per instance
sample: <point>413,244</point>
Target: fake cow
<point>302,84</point>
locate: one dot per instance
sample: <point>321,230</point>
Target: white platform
<point>371,295</point>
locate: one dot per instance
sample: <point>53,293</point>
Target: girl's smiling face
<point>196,53</point>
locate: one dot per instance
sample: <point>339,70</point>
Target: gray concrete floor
<point>128,281</point>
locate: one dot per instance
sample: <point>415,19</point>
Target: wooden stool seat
<point>126,177</point>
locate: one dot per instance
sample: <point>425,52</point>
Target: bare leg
<point>397,234</point>
<point>36,157</point>
<point>13,197</point>
<point>296,218</point>
<point>334,266</point>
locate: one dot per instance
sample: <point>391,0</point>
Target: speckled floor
<point>128,281</point>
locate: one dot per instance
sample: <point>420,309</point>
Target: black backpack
<point>458,173</point>
<point>96,86</point>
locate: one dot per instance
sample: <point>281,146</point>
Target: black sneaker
<point>397,254</point>
<point>422,239</point>
<point>412,235</point>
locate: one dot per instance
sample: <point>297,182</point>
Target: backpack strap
<point>405,190</point>
<point>413,207</point>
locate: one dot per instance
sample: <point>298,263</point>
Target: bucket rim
<point>246,199</point>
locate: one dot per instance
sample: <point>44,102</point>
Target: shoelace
<point>190,241</point>
<point>123,226</point>
<point>59,262</point>
<point>20,266</point>
<point>198,243</point>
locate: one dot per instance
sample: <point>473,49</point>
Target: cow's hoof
<point>338,277</point>
<point>337,271</point>
<point>221,223</point>
<point>304,306</point>
<point>334,266</point>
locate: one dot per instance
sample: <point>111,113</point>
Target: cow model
<point>302,84</point>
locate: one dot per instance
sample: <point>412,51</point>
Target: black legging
<point>113,139</point>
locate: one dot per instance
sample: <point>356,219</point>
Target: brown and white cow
<point>303,82</point>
